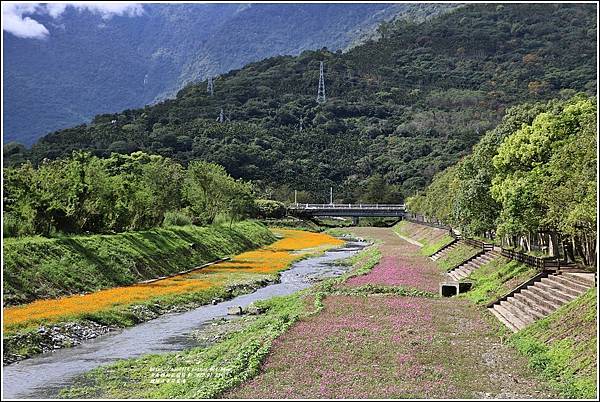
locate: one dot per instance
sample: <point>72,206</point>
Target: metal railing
<point>547,263</point>
<point>347,206</point>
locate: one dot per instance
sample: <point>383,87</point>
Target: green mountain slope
<point>399,109</point>
<point>89,65</point>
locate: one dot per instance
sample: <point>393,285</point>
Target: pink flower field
<point>393,271</point>
<point>384,346</point>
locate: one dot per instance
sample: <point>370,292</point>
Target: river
<point>44,375</point>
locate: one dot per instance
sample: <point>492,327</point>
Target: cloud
<point>16,17</point>
<point>13,21</point>
<point>105,9</point>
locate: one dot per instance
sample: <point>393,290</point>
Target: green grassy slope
<point>563,347</point>
<point>432,239</point>
<point>496,278</point>
<point>38,267</point>
<point>456,256</point>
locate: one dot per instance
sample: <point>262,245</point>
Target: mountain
<point>90,64</point>
<point>399,109</point>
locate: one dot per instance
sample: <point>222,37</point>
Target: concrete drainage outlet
<point>449,289</point>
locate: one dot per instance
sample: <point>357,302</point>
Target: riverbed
<point>44,375</point>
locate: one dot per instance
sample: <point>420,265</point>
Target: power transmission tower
<point>223,117</point>
<point>210,87</point>
<point>321,91</point>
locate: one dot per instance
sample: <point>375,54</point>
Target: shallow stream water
<point>44,375</point>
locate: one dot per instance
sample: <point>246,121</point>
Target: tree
<point>207,189</point>
<point>476,210</point>
<point>528,174</point>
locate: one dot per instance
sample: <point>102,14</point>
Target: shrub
<point>14,227</point>
<point>269,209</point>
<point>176,218</point>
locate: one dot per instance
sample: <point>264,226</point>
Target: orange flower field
<point>267,260</point>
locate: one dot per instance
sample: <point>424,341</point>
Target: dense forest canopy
<point>399,109</point>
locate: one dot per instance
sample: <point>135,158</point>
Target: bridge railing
<point>346,206</point>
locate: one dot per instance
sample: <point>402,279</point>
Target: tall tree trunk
<point>568,249</point>
<point>580,249</point>
<point>554,247</point>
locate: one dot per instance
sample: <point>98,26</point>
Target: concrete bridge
<point>347,210</point>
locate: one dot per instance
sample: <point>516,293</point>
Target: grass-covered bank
<point>431,238</point>
<point>456,256</point>
<point>39,268</point>
<point>208,372</point>
<point>26,327</point>
<point>496,278</point>
<point>563,347</point>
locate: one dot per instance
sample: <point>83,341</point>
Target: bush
<point>176,218</point>
<point>269,209</point>
<point>14,227</point>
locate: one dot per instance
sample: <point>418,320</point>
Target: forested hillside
<point>399,109</point>
<point>90,64</point>
<point>530,183</point>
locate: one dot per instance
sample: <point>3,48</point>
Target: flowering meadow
<point>265,261</point>
<point>388,346</point>
<point>401,265</point>
<point>394,272</point>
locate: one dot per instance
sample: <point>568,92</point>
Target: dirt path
<point>393,347</point>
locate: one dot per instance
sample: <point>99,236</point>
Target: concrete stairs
<point>465,269</point>
<point>541,298</point>
<point>443,251</point>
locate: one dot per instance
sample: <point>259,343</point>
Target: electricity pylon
<point>321,91</point>
<point>210,87</point>
<point>223,117</point>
